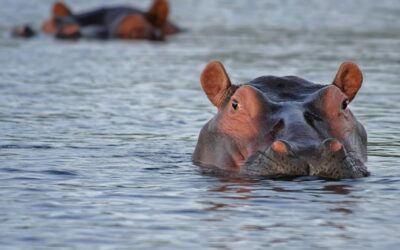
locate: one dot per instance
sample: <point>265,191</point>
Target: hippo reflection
<point>283,126</point>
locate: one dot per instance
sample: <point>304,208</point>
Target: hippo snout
<point>326,147</point>
<point>328,160</point>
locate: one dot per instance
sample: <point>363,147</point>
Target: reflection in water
<point>96,137</point>
<point>242,188</point>
<point>337,189</point>
<point>213,206</point>
<point>226,188</point>
<point>341,210</point>
<point>267,200</point>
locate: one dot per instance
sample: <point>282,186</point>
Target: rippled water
<point>96,137</point>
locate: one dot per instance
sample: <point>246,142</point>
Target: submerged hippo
<point>283,126</point>
<point>107,22</point>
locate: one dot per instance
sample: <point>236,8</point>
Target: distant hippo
<point>283,126</point>
<point>108,22</point>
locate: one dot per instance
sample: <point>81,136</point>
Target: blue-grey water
<point>96,136</point>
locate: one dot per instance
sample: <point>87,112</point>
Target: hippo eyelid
<point>345,104</point>
<point>235,104</point>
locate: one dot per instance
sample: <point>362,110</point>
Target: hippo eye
<point>345,103</point>
<point>235,104</point>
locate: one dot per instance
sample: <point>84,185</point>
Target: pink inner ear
<point>215,82</point>
<point>349,79</point>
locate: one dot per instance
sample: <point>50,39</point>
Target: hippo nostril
<point>280,147</point>
<point>332,145</point>
<point>277,127</point>
<point>335,146</point>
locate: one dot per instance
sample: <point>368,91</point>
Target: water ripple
<point>96,137</point>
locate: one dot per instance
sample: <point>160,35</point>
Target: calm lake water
<point>96,137</point>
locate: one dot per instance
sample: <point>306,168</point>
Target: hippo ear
<point>215,82</point>
<point>158,13</point>
<point>60,9</point>
<point>349,79</point>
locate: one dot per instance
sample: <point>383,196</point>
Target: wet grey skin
<point>336,165</point>
<point>296,138</point>
<point>316,159</point>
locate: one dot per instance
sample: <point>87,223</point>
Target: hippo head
<point>283,126</point>
<point>150,25</point>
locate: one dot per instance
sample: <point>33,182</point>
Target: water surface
<point>96,137</point>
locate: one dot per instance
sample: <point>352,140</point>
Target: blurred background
<point>96,137</point>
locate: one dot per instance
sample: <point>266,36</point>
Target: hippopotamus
<point>107,22</point>
<point>283,126</point>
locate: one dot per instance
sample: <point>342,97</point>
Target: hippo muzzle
<point>330,160</point>
<point>283,126</point>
